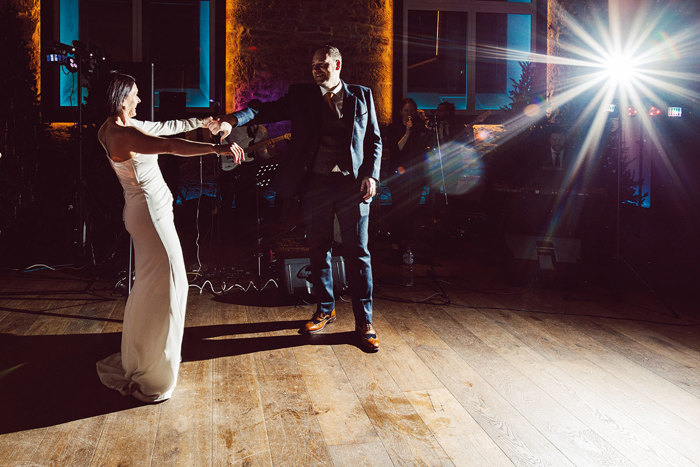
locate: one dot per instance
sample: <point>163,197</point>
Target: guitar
<point>228,164</point>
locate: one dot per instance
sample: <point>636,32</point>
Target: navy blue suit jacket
<point>302,106</point>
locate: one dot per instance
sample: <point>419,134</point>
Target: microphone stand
<point>443,186</point>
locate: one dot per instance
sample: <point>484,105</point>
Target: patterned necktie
<point>557,159</point>
<point>328,97</point>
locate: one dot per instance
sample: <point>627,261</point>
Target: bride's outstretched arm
<point>133,140</point>
<point>170,127</point>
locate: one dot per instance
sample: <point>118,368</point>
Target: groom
<point>333,165</point>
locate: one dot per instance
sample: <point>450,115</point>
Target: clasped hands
<point>223,129</point>
<point>218,127</point>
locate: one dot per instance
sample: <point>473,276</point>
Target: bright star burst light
<point>638,58</point>
<point>635,58</point>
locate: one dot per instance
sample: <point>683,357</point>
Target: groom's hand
<point>369,188</point>
<point>221,128</point>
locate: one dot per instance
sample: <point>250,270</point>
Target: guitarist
<point>238,182</point>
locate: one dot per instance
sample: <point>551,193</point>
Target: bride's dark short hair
<point>119,88</point>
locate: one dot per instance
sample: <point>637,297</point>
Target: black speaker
<point>296,275</point>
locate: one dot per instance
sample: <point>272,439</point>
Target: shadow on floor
<point>48,380</point>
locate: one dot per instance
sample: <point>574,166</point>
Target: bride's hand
<point>232,149</point>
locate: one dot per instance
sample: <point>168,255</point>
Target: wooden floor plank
<point>391,414</point>
<point>96,316</point>
<point>684,376</point>
<point>293,431</point>
<point>614,425</point>
<point>449,386</point>
<point>670,429</point>
<point>337,407</point>
<point>405,367</point>
<point>364,455</point>
<point>568,332</point>
<point>41,309</point>
<point>34,319</point>
<point>184,430</point>
<point>688,336</point>
<point>70,443</point>
<point>514,434</point>
<point>582,445</point>
<point>645,337</point>
<point>128,437</point>
<point>613,378</point>
<point>238,419</point>
<point>457,432</point>
<point>18,448</point>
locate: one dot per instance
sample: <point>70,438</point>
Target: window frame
<point>472,8</point>
<point>54,110</point>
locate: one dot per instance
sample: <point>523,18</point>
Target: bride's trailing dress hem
<point>154,317</point>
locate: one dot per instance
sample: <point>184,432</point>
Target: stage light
<point>620,68</point>
<point>612,108</point>
<point>631,111</point>
<point>63,59</point>
<point>654,111</point>
<point>675,112</point>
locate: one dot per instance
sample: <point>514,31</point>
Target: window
<point>174,34</point>
<point>451,51</point>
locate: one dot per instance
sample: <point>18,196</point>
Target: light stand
<point>77,59</point>
<point>80,198</point>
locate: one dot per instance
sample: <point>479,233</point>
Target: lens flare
<point>456,169</point>
<point>621,69</point>
<point>635,58</point>
<point>532,110</point>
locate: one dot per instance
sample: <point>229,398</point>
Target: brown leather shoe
<point>368,337</point>
<point>318,321</point>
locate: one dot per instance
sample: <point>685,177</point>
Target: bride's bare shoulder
<point>112,136</point>
<point>106,130</point>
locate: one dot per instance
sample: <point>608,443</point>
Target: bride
<point>154,318</point>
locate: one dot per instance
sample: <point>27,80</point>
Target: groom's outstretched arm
<point>261,112</point>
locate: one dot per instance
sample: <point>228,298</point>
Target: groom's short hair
<point>330,50</point>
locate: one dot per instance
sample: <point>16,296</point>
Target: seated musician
<point>550,159</point>
<point>554,156</point>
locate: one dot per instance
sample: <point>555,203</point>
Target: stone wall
<point>561,14</point>
<point>28,13</point>
<point>269,46</point>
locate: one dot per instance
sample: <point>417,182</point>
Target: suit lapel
<point>349,104</point>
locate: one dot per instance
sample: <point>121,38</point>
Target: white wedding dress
<point>154,318</point>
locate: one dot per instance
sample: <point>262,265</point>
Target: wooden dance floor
<point>509,377</point>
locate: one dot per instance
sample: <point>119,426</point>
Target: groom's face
<point>325,70</point>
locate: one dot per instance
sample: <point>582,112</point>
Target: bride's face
<point>130,103</point>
